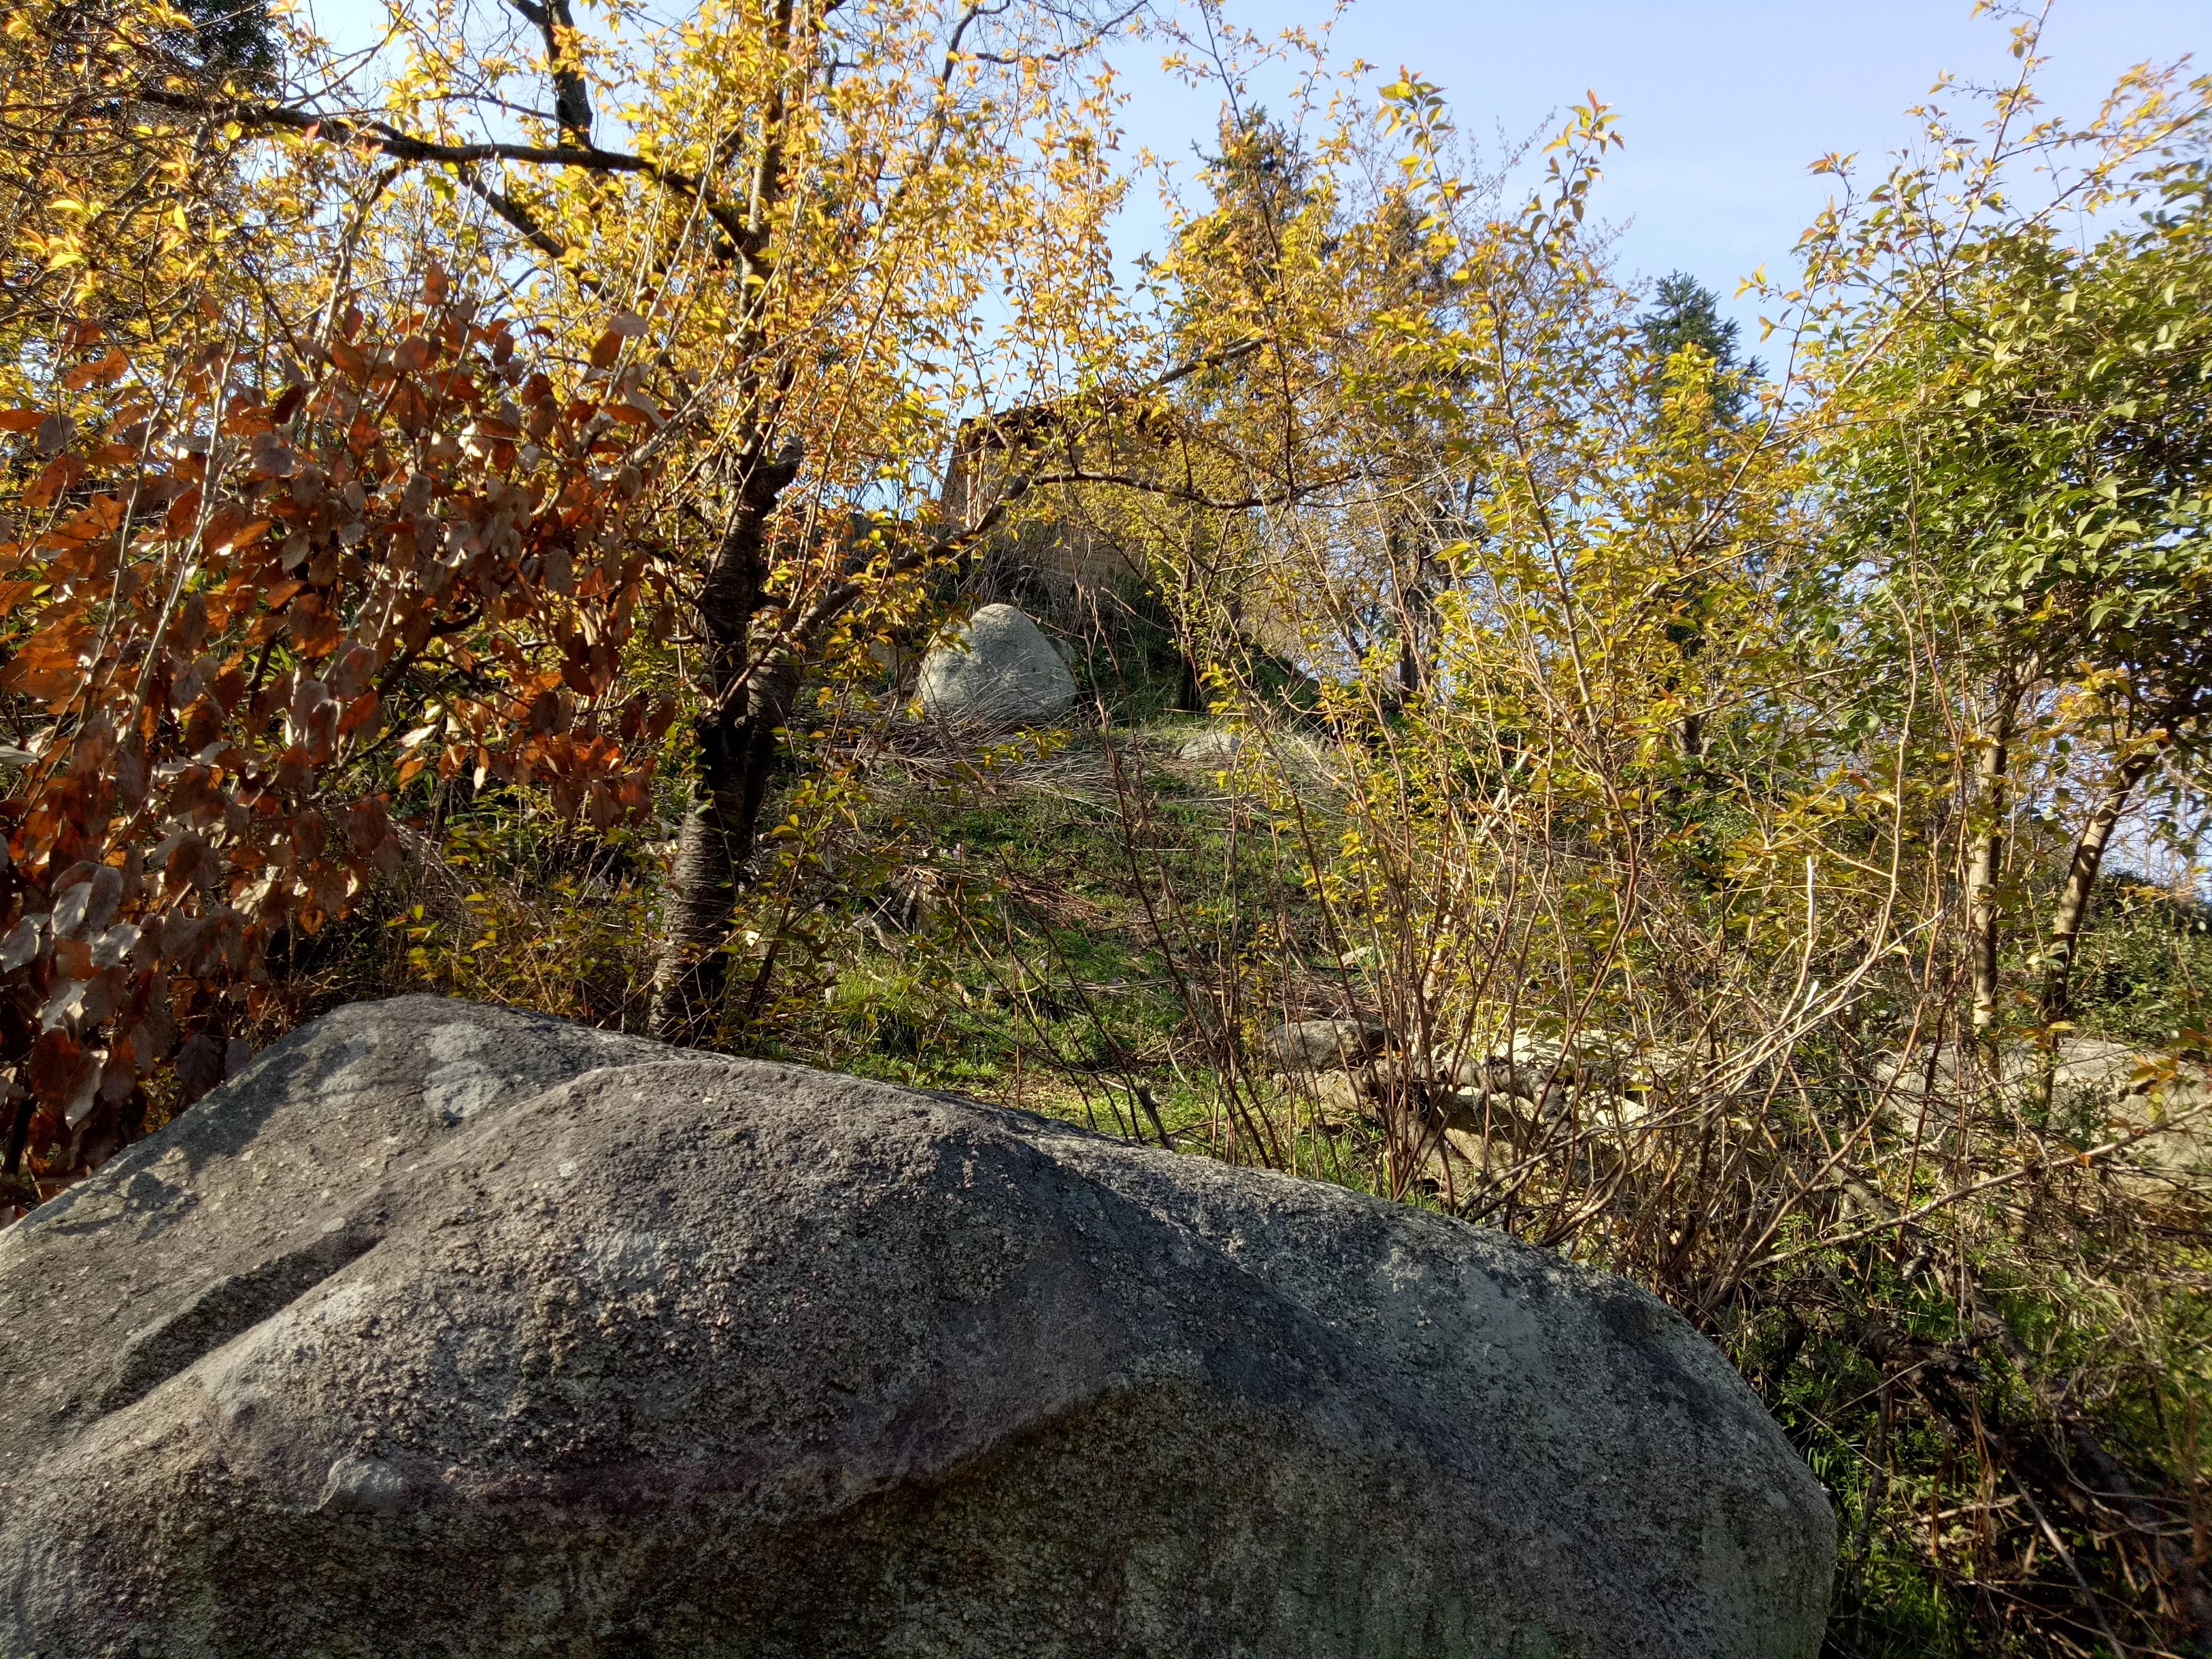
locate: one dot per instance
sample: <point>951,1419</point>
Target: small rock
<point>1325,1045</point>
<point>1463,1158</point>
<point>364,1485</point>
<point>1216,746</point>
<point>1337,1098</point>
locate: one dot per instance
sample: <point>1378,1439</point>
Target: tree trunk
<point>1413,612</point>
<point>2081,880</point>
<point>1985,919</point>
<point>1410,675</point>
<point>713,850</point>
<point>746,706</point>
<point>1693,741</point>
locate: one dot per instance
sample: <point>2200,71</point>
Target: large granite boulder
<point>443,1330</point>
<point>998,670</point>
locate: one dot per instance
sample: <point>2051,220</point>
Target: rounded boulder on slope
<point>999,670</point>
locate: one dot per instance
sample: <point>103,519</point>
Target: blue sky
<point>1723,102</point>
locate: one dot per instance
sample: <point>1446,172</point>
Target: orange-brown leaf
<point>221,524</point>
<point>99,517</point>
<point>46,684</point>
<point>315,630</point>
<point>107,367</point>
<point>410,412</point>
<point>59,645</point>
<point>58,475</point>
<point>358,713</point>
<point>350,361</point>
<point>246,418</point>
<point>182,512</point>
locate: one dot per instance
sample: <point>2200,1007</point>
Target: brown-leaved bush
<point>247,599</point>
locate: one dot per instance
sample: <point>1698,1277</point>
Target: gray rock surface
<point>1324,1045</point>
<point>447,1331</point>
<point>1216,746</point>
<point>2167,1103</point>
<point>2100,1091</point>
<point>1001,671</point>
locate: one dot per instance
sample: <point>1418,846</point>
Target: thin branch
<point>383,138</point>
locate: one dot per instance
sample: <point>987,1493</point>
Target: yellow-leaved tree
<point>828,233</point>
